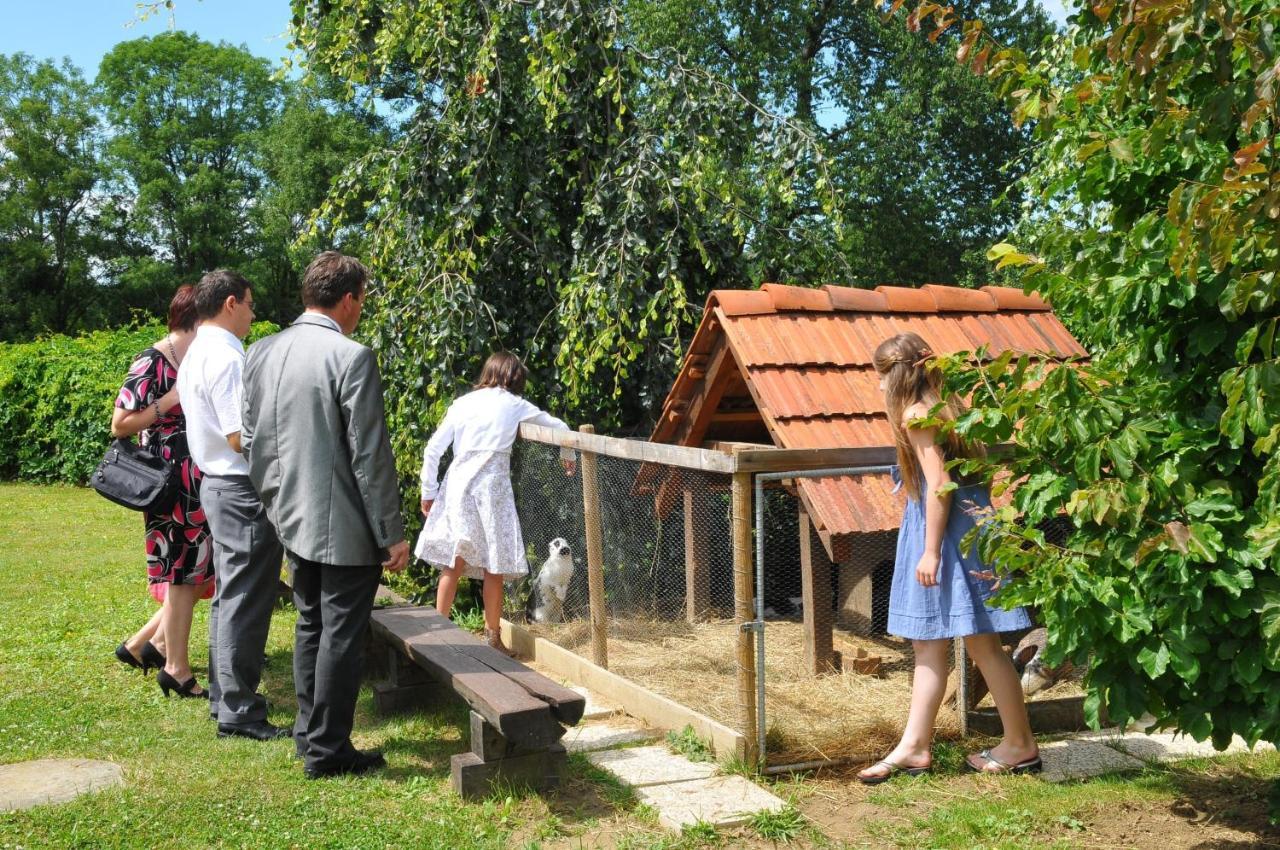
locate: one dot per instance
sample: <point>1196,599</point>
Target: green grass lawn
<point>72,586</point>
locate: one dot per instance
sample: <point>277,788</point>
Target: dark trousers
<point>247,556</point>
<point>334,603</point>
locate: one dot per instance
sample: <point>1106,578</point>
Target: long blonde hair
<point>906,362</point>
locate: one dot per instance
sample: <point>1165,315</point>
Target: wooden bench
<point>518,716</point>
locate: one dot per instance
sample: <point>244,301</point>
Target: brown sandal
<point>1034,765</point>
<point>894,770</point>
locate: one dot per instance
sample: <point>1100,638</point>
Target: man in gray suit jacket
<point>315,435</point>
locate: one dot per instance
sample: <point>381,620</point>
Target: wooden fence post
<point>815,588</point>
<point>744,612</point>
<point>595,554</point>
<point>697,576</point>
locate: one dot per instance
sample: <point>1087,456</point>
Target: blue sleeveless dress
<point>958,605</point>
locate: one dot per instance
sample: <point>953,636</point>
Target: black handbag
<point>131,476</point>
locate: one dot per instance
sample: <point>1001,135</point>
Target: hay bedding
<point>836,716</point>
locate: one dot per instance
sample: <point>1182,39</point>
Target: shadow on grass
<point>419,744</point>
<point>1225,796</point>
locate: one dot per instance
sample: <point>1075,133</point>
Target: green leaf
<point>1121,150</point>
<point>1154,661</point>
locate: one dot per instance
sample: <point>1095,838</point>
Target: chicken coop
<point>731,574</point>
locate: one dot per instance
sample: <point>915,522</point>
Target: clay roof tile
<point>904,299</point>
<point>1008,298</point>
<point>741,302</point>
<point>955,299</point>
<point>846,298</point>
<point>797,298</point>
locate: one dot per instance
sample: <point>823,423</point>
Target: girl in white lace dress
<point>472,528</point>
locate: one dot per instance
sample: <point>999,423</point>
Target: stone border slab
<point>1076,759</point>
<point>26,784</point>
<point>720,800</point>
<point>596,736</point>
<point>1166,746</point>
<point>640,767</point>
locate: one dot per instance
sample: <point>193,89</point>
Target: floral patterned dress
<point>179,549</point>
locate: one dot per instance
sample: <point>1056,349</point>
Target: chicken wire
<point>668,580</point>
<point>836,685</point>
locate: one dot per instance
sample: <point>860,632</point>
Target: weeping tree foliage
<point>552,190</point>
<point>922,151</point>
<point>1157,238</point>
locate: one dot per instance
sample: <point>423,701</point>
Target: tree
<point>555,191</point>
<point>185,115</point>
<point>921,150</point>
<point>302,151</point>
<point>1158,181</point>
<point>49,145</point>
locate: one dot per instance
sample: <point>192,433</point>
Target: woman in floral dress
<point>179,550</point>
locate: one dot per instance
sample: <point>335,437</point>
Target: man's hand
<point>397,557</point>
<point>426,506</point>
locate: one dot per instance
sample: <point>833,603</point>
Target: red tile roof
<point>806,357</point>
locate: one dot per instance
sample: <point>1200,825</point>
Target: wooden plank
<point>736,416</point>
<point>796,460</point>
<point>685,456</point>
<point>854,596</point>
<point>1064,714</point>
<point>721,369</point>
<point>743,562</point>
<point>595,555</point>
<point>566,705</point>
<point>815,584</point>
<point>475,779</point>
<point>697,571</point>
<point>502,702</point>
<point>636,700</point>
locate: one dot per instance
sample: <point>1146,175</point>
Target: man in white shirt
<point>246,551</point>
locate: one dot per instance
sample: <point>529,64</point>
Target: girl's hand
<point>569,465</point>
<point>927,570</point>
<point>426,506</point>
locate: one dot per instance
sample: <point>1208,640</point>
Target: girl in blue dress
<point>940,592</point>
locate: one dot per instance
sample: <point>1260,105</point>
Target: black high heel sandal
<point>186,689</point>
<point>151,657</point>
<point>124,656</point>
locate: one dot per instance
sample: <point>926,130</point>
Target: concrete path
<point>1112,751</point>
<point>682,792</point>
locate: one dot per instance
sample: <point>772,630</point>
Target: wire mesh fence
<point>825,682</point>
<point>836,686</point>
<point>667,569</point>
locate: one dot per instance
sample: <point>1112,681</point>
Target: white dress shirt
<point>485,420</point>
<point>210,387</point>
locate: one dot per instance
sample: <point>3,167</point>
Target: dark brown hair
<point>330,276</point>
<point>906,362</point>
<point>182,309</point>
<point>503,369</point>
<point>215,288</point>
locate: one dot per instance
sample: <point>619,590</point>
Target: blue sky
<point>84,30</point>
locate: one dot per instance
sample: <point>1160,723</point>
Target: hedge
<point>57,395</point>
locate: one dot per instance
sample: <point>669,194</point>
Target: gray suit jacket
<point>315,435</point>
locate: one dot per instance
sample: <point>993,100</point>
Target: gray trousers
<point>334,603</point>
<point>247,557</point>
